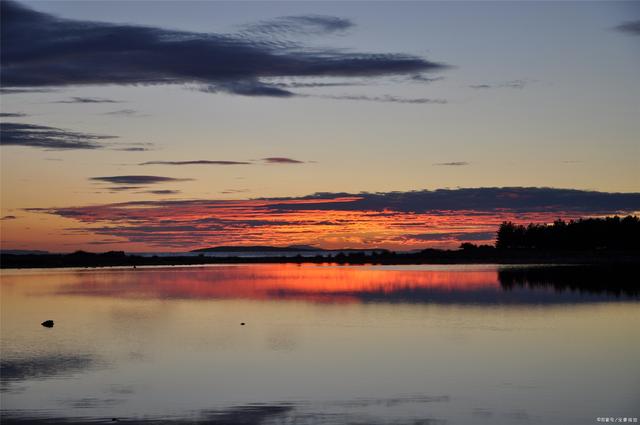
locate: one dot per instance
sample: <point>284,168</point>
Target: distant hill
<point>259,248</point>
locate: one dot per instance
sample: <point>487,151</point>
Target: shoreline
<point>429,257</point>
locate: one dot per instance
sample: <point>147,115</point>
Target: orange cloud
<point>396,220</point>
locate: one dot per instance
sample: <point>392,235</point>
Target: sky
<point>176,125</point>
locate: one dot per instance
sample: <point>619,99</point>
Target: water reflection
<point>463,285</point>
<point>617,281</point>
<point>321,345</point>
<point>358,411</point>
<point>45,366</point>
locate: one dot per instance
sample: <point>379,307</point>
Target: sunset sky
<point>175,125</point>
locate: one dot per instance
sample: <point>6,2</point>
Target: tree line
<point>587,233</point>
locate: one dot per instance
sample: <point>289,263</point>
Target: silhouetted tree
<point>590,233</point>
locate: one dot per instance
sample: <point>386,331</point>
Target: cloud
<point>513,84</point>
<point>483,199</point>
<point>6,91</point>
<point>133,149</point>
<point>316,84</point>
<point>123,188</point>
<point>162,192</point>
<point>386,98</point>
<point>248,88</point>
<point>39,136</point>
<point>123,113</point>
<point>88,100</point>
<point>144,180</point>
<point>41,50</point>
<point>281,160</point>
<point>12,115</point>
<point>303,24</point>
<point>52,138</point>
<point>395,220</point>
<point>630,27</point>
<point>234,191</point>
<point>270,160</point>
<point>9,217</point>
<point>424,79</point>
<point>452,164</point>
<point>195,162</point>
<point>469,236</point>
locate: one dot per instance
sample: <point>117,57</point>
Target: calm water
<point>321,345</point>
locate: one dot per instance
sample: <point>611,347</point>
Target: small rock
<point>47,323</point>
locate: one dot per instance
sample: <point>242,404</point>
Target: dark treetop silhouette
<point>584,234</point>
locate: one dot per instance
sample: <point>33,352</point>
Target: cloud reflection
<point>358,411</point>
<point>42,367</point>
<point>322,284</point>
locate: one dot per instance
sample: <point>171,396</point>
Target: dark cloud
<point>132,149</point>
<point>12,115</point>
<point>304,24</point>
<point>196,162</point>
<point>513,84</point>
<point>122,113</point>
<point>6,91</point>
<point>424,79</point>
<point>88,100</point>
<point>479,199</point>
<point>387,98</point>
<point>162,192</point>
<point>123,188</point>
<point>630,27</point>
<point>452,164</point>
<point>136,179</point>
<point>248,88</point>
<point>316,84</point>
<point>281,160</point>
<point>9,217</point>
<point>40,50</point>
<point>52,138</point>
<point>39,136</point>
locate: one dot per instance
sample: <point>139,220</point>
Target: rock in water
<point>47,323</point>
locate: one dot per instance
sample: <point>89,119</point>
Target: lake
<point>319,344</point>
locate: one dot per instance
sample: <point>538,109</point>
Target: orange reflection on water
<point>278,281</point>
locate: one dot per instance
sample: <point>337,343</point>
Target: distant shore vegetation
<point>607,240</point>
<point>584,234</point>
